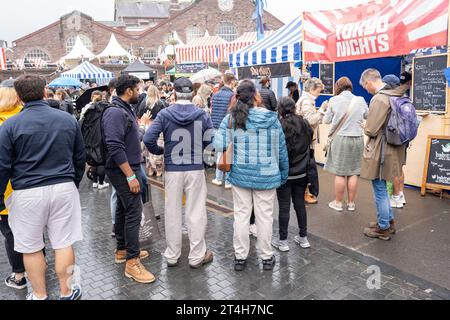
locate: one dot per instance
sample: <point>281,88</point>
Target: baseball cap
<point>183,85</point>
<point>9,83</point>
<point>405,77</point>
<point>391,80</point>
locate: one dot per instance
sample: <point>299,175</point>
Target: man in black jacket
<point>267,95</point>
<point>42,153</point>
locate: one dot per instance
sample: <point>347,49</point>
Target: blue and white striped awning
<point>87,71</point>
<point>285,45</point>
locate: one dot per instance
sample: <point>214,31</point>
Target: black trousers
<point>15,258</point>
<point>293,190</point>
<point>253,217</point>
<point>128,213</point>
<point>99,174</point>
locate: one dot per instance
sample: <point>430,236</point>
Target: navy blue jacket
<point>40,146</point>
<point>220,103</point>
<point>187,132</point>
<point>122,137</point>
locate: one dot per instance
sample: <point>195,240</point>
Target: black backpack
<point>93,135</point>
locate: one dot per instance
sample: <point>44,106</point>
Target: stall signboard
<point>382,28</point>
<point>327,76</point>
<point>437,164</point>
<point>142,75</point>
<point>278,70</point>
<point>429,88</point>
<point>190,67</point>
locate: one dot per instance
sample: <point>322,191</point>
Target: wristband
<point>133,177</point>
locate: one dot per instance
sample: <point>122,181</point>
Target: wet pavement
<point>334,268</point>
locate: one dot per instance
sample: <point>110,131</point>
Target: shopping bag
<point>149,232</point>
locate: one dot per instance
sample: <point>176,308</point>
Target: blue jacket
<point>220,103</point>
<point>40,146</point>
<point>187,132</point>
<point>260,156</point>
<point>122,137</point>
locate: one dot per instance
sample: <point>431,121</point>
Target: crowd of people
<point>135,130</point>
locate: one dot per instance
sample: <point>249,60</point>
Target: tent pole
<point>446,124</point>
<point>304,69</point>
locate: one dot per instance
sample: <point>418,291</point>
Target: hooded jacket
<point>260,156</point>
<point>220,103</point>
<point>187,131</point>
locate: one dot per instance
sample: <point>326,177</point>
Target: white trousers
<point>263,203</point>
<point>193,184</point>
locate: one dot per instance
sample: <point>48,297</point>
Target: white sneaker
<point>351,207</point>
<point>302,242</point>
<point>253,230</point>
<point>103,186</point>
<point>336,206</point>
<point>95,185</point>
<point>396,202</point>
<point>282,245</point>
<point>228,186</point>
<point>217,183</point>
<point>402,198</point>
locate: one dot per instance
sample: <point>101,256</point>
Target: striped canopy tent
<point>285,45</point>
<point>207,49</point>
<point>36,63</point>
<point>87,71</point>
<point>247,39</point>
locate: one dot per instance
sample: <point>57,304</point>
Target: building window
<point>150,55</point>
<point>193,33</point>
<point>227,31</point>
<point>71,42</point>
<point>37,54</point>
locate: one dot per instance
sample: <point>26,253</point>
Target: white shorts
<point>55,207</point>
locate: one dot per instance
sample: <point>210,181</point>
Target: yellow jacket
<point>3,117</point>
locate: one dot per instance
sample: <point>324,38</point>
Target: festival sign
<point>377,29</point>
<point>277,70</point>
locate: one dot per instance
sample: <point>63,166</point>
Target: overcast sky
<point>21,17</point>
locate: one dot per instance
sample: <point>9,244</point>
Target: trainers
<point>310,199</point>
<point>228,186</point>
<point>402,198</point>
<point>351,207</point>
<point>302,242</point>
<point>392,228</point>
<point>282,245</point>
<point>76,295</point>
<point>239,265</point>
<point>135,270</point>
<point>268,265</point>
<point>396,202</point>
<point>209,257</point>
<point>103,186</point>
<point>121,256</point>
<point>12,282</point>
<point>32,297</point>
<point>172,265</point>
<point>253,230</point>
<point>336,206</point>
<point>217,183</point>
<point>95,185</point>
<point>377,233</point>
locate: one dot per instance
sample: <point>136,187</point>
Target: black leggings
<point>295,190</point>
<point>15,258</point>
<point>99,174</point>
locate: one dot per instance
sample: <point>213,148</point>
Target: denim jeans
<point>385,214</point>
<point>144,184</point>
<point>113,205</point>
<point>220,174</point>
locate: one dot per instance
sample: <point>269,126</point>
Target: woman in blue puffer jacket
<point>260,166</point>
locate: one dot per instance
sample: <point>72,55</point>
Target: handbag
<point>341,123</point>
<point>226,160</point>
<point>149,230</point>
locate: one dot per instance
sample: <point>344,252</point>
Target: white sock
<point>36,298</point>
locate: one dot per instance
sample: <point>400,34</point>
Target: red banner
<point>378,29</point>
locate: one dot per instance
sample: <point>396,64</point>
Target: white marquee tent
<point>79,51</point>
<point>114,49</point>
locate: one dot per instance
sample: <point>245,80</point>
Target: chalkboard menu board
<point>429,87</point>
<point>437,164</point>
<point>326,74</point>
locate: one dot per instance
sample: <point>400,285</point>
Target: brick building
<point>226,18</point>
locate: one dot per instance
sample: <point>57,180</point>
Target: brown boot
<point>135,270</point>
<point>209,257</point>
<point>377,233</point>
<point>121,256</point>
<point>392,228</point>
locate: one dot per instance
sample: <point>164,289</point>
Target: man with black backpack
<point>123,149</point>
<point>382,159</point>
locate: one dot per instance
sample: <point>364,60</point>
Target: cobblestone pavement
<point>318,273</point>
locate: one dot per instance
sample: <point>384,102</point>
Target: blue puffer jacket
<point>220,103</point>
<point>260,155</point>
